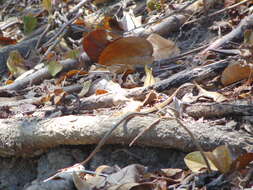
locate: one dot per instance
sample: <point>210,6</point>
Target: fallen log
<point>30,137</point>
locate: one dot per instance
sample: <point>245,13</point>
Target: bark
<point>31,137</point>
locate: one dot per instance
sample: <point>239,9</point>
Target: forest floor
<point>126,94</point>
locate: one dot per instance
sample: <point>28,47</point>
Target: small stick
<point>142,132</point>
<point>53,45</point>
<point>63,27</point>
<point>158,20</point>
<point>42,35</point>
<point>218,12</point>
<point>78,6</point>
<point>125,117</point>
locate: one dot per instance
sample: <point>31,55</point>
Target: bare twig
<point>244,24</point>
<point>37,76</point>
<point>128,116</point>
<point>177,57</point>
<point>78,6</point>
<point>53,45</point>
<point>42,35</point>
<point>219,11</point>
<point>63,27</point>
<point>158,20</point>
<point>142,132</point>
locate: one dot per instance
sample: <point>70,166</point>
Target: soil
<point>17,173</point>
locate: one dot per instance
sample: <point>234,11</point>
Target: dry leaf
<point>7,41</point>
<point>163,48</point>
<point>235,72</point>
<point>154,5</point>
<point>74,72</point>
<point>130,22</point>
<point>127,51</point>
<point>79,22</point>
<point>242,161</point>
<point>85,89</point>
<point>16,63</point>
<point>248,37</point>
<point>149,80</point>
<point>195,162</point>
<point>80,184</point>
<point>170,172</point>
<point>216,96</point>
<point>96,41</point>
<point>97,2</point>
<point>151,98</point>
<point>132,106</point>
<point>101,91</point>
<point>198,5</point>
<point>104,169</point>
<point>72,54</point>
<point>47,4</point>
<point>54,67</point>
<point>58,96</point>
<point>228,3</point>
<point>8,82</point>
<point>221,158</point>
<point>111,24</point>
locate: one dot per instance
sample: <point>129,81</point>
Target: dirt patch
<point>16,173</point>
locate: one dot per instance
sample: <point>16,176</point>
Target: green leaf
<point>54,67</point>
<point>73,54</point>
<point>30,23</point>
<point>47,4</point>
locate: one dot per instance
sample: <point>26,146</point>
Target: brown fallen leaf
<point>236,72</point>
<point>242,161</point>
<point>216,96</point>
<point>96,41</point>
<point>127,51</point>
<point>7,41</point>
<point>111,24</point>
<point>221,158</point>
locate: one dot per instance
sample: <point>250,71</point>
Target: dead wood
<point>246,23</point>
<point>166,26</point>
<point>198,74</point>
<point>218,110</point>
<point>38,76</point>
<point>29,138</point>
<point>23,47</point>
<point>102,101</point>
<point>176,19</point>
<point>14,103</point>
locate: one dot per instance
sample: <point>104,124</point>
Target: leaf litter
<point>109,58</point>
